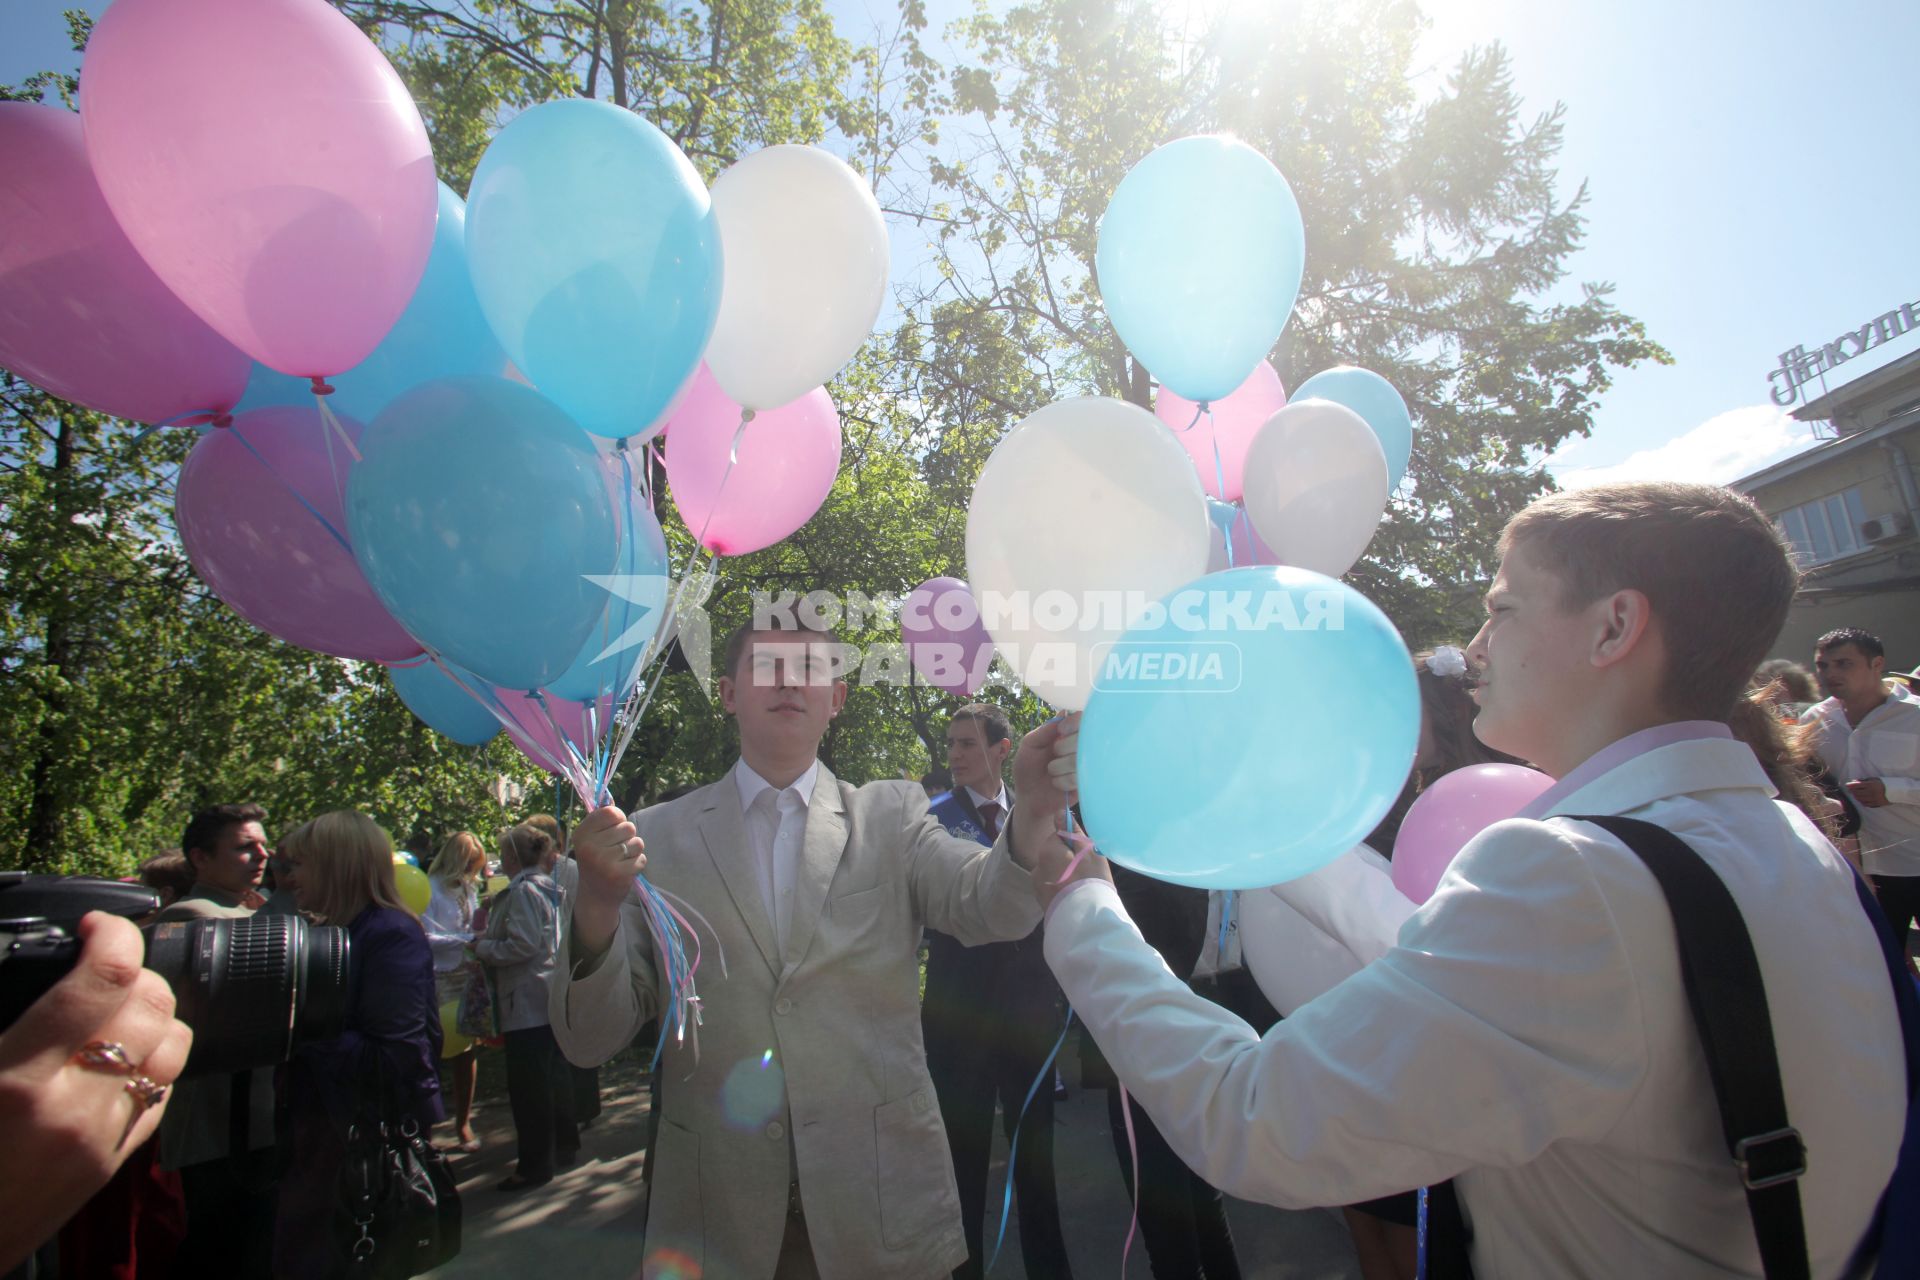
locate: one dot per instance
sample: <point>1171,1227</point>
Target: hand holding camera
<point>84,1074</point>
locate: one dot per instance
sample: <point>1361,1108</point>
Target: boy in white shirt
<point>1529,1037</point>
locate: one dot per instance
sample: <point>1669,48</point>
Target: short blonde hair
<point>346,865</point>
<point>1715,571</point>
<point>461,860</point>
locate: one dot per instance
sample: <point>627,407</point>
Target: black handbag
<point>398,1213</point>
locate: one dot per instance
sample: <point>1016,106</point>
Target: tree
<point>719,79</point>
<point>1438,246</point>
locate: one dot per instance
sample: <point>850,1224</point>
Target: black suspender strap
<point>1729,1003</point>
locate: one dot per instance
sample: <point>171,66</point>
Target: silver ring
<point>105,1055</point>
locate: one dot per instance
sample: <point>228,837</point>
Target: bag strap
<point>1894,1238</point>
<point>1729,1002</point>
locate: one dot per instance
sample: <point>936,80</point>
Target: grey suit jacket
<point>810,1065</point>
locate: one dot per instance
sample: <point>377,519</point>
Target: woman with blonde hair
<point>521,944</point>
<point>455,878</point>
<point>383,1068</point>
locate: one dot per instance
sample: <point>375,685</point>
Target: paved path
<point>585,1225</point>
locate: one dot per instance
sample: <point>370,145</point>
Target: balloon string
<point>1013,1147</point>
<point>655,653</point>
<point>191,418</point>
<point>634,716</point>
<point>682,907</point>
<point>720,491</point>
<point>610,681</point>
<point>333,463</point>
<point>1133,1154</point>
<point>1220,482</point>
<point>1420,1235</point>
<point>299,497</point>
<point>486,697</point>
<point>576,771</point>
<point>327,416</point>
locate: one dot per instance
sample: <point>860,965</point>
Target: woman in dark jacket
<point>383,1067</point>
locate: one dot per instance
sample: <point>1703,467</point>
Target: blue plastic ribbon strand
<point>1420,1236</point>
<point>1013,1148</point>
<point>299,497</point>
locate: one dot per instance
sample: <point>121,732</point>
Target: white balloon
<point>806,252</point>
<point>1316,485</point>
<point>1085,504</point>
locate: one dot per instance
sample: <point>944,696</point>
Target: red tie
<point>990,815</point>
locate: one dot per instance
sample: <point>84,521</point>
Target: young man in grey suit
<point>804,1138</point>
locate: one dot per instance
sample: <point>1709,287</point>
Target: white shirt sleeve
<point>445,934</point>
<point>1506,1020</point>
<point>1352,900</point>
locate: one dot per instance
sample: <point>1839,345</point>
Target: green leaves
<point>1440,240</point>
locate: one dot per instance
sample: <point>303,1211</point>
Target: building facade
<point>1851,507</point>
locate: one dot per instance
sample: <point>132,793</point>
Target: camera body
<point>250,987</point>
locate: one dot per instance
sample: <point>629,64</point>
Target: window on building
<point>1828,529</point>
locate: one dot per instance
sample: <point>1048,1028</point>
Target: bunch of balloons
<point>425,419</point>
<point>1247,716</point>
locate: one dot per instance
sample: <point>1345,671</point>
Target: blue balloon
<point>596,256</point>
<point>636,605</point>
<point>1374,399</point>
<point>443,705</point>
<point>441,333</point>
<point>1199,260</point>
<point>478,513</point>
<point>1258,728</point>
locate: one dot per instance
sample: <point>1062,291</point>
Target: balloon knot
<point>321,387</point>
<point>746,416</point>
<point>221,420</point>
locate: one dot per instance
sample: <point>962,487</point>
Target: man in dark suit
<point>990,1017</point>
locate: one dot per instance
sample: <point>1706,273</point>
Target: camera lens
<point>252,987</point>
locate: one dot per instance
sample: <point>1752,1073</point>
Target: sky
<point>1752,180</point>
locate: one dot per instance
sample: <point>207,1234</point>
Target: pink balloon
<point>946,641</point>
<point>265,553</point>
<point>535,736</point>
<point>1235,420</point>
<point>1453,811</point>
<point>269,165</point>
<point>788,458</point>
<point>81,313</point>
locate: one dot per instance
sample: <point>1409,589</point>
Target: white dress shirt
<point>1884,745</point>
<point>1529,1037</point>
<point>980,803</point>
<point>776,828</point>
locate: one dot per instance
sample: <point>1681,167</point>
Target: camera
<point>251,988</point>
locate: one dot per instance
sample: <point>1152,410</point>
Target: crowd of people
<point>242,1175</point>
<point>1519,1054</point>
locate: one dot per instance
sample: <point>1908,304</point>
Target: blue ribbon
<point>1013,1148</point>
<point>299,497</point>
<point>1420,1237</point>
